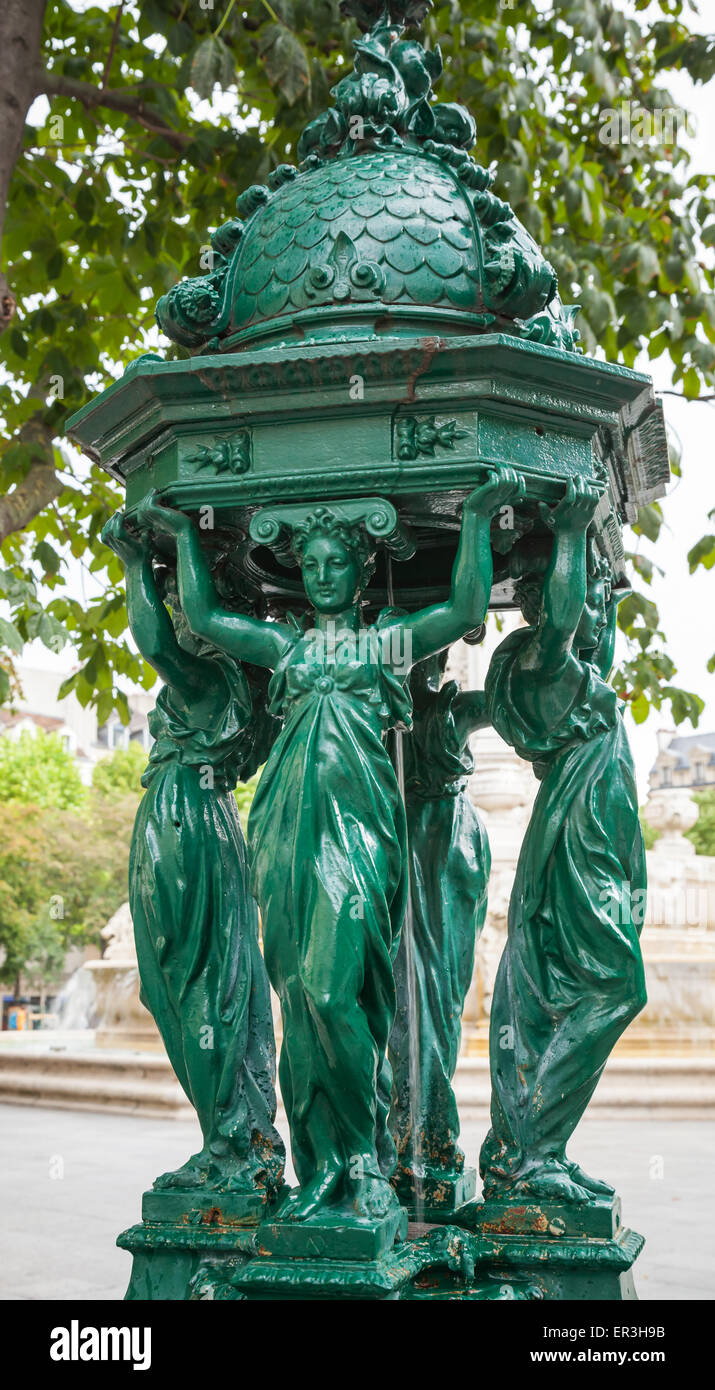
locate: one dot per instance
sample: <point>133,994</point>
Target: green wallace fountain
<point>384,428</point>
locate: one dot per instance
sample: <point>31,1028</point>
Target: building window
<point>117,735</point>
<point>667,777</point>
<point>699,774</point>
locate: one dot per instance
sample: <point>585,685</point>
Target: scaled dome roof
<point>386,226</point>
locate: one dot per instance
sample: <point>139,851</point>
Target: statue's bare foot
<point>232,1172</point>
<point>193,1173</point>
<point>307,1201</point>
<point>597,1186</point>
<point>236,1179</point>
<point>373,1197</point>
<point>549,1181</point>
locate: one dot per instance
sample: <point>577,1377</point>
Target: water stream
<point>408,936</point>
<point>75,1007</point>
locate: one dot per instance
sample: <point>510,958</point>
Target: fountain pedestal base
<point>168,1257</point>
<point>230,1262</point>
<point>572,1250</point>
<point>599,1219</point>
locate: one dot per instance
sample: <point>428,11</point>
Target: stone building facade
<point>684,761</point>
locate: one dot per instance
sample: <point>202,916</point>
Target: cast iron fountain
<point>385,428</point>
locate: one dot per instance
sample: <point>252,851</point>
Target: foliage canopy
<point>116,183</point>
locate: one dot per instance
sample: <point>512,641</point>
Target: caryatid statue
<point>327,828</point>
<point>449,871</point>
<point>571,977</point>
<point>195,922</point>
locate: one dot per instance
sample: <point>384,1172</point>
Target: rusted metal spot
<point>429,347</point>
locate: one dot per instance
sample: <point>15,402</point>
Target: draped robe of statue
<point>449,870</point>
<point>196,924</point>
<point>571,976</point>
<point>327,846</point>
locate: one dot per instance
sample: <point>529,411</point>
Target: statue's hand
<point>124,541</point>
<point>151,515</point>
<point>575,510</point>
<point>617,596</point>
<point>504,485</point>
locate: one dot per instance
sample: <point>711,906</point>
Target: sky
<point>686,602</point>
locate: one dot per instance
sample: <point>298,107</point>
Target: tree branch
<point>115,99</point>
<point>20,40</point>
<point>40,486</point>
<point>682,397</point>
<point>112,46</point>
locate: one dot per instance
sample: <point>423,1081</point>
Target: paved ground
<point>70,1181</point>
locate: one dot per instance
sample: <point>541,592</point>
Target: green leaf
<point>10,637</point>
<point>684,705</point>
<point>54,265</point>
<point>18,343</point>
<point>84,203</point>
<point>650,520</point>
<point>703,553</point>
<point>212,63</point>
<point>640,708</point>
<point>286,62</point>
<point>179,38</point>
<point>47,557</point>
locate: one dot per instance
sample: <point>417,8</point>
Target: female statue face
<point>593,618</point>
<point>331,574</point>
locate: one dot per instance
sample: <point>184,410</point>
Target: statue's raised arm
<point>149,621</point>
<point>438,626</point>
<point>566,605</point>
<point>237,634</point>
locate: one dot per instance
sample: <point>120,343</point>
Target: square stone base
<point>600,1219</point>
<point>331,1238</point>
<point>439,1199</point>
<point>223,1210</point>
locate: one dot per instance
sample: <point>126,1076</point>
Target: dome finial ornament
<point>386,220</point>
<point>386,101</point>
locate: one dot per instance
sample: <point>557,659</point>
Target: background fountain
<point>665,1062</point>
<point>104,1051</point>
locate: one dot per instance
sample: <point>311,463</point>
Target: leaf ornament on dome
<point>189,312</point>
<point>554,326</point>
<point>520,280</point>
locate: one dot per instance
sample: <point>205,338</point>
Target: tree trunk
<point>20,50</point>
